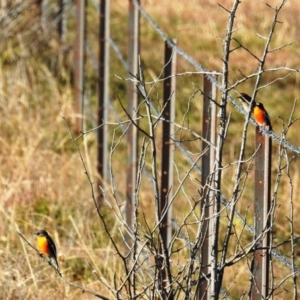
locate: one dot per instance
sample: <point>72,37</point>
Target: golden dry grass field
<point>42,179</point>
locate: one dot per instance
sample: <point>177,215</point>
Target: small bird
<point>259,112</point>
<point>47,246</point>
<point>246,100</point>
<point>260,115</point>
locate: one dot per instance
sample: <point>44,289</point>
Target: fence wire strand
<point>211,78</point>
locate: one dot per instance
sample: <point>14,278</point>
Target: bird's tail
<point>54,263</point>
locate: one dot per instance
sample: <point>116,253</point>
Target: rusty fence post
<point>260,264</point>
<point>132,100</point>
<point>103,95</point>
<point>165,210</point>
<point>62,21</point>
<point>79,65</point>
<point>167,145</point>
<point>208,159</point>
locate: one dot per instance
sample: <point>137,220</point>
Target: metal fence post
<point>79,64</point>
<point>260,264</point>
<point>132,100</point>
<point>167,145</point>
<point>62,22</point>
<point>103,91</point>
<point>208,159</point>
<point>165,212</point>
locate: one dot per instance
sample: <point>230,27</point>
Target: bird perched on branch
<point>259,112</point>
<point>46,246</point>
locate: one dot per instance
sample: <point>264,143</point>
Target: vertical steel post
<point>165,215</point>
<point>132,100</point>
<point>260,266</point>
<point>208,160</point>
<point>103,95</point>
<point>167,145</point>
<point>62,22</point>
<point>79,64</point>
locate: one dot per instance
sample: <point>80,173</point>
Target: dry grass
<point>42,181</point>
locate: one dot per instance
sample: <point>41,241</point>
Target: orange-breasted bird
<point>259,112</point>
<point>260,115</point>
<point>46,246</point>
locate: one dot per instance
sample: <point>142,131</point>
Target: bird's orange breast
<point>43,245</point>
<point>259,116</point>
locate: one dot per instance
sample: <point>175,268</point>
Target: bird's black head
<point>260,105</point>
<point>41,233</point>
